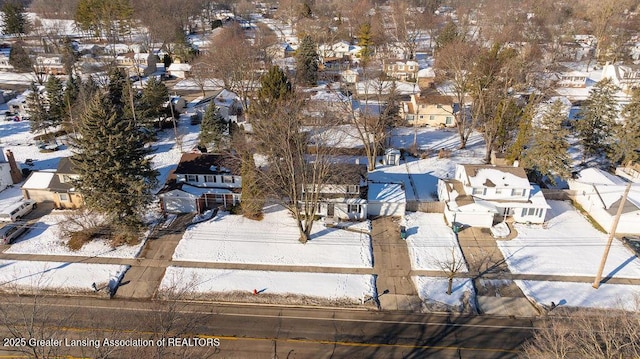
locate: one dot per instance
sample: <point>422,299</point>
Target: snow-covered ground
<point>59,276</point>
<point>44,237</point>
<point>431,242</point>
<point>333,286</point>
<point>273,240</point>
<point>568,246</point>
<point>433,291</point>
<point>608,296</point>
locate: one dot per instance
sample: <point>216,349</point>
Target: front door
<point>329,209</point>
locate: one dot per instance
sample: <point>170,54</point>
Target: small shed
<point>386,199</point>
<point>391,157</point>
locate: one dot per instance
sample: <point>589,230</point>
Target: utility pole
<point>614,226</point>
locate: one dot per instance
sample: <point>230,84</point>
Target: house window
<point>353,208</point>
<point>219,198</point>
<point>227,179</point>
<point>517,192</point>
<point>353,189</point>
<point>421,117</point>
<point>209,178</point>
<point>477,191</point>
<point>432,117</point>
<point>449,120</point>
<point>192,178</point>
<point>64,197</point>
<point>498,190</point>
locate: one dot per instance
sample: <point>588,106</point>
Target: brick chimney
<point>16,174</point>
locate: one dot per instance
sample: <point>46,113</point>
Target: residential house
<point>429,110</point>
<point>630,172</point>
<point>401,70</point>
<point>478,195</point>
<point>351,76</point>
<point>344,195</point>
<point>386,199</point>
<point>280,50</point>
<point>600,194</point>
<point>179,70</point>
<point>202,182</point>
<point>56,187</point>
<point>624,76</point>
<point>50,64</point>
<point>426,78</point>
<point>341,50</point>
<point>575,79</point>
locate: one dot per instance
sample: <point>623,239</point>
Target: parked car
<point>633,242</point>
<point>11,232</point>
<point>17,210</point>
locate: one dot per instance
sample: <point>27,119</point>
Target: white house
<point>5,172</point>
<point>480,194</point>
<point>600,193</point>
<point>201,182</point>
<point>343,196</point>
<point>623,76</point>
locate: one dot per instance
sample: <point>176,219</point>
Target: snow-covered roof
<point>179,67</point>
<point>610,194</point>
<point>386,193</point>
<point>494,176</point>
<point>598,176</point>
<point>38,180</point>
<point>428,72</point>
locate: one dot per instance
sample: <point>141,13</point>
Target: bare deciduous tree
<point>451,266</point>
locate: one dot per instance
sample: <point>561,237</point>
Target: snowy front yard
<point>568,246</point>
<point>331,286</point>
<point>431,242</point>
<point>58,276</point>
<point>44,237</point>
<point>274,241</point>
<point>433,292</point>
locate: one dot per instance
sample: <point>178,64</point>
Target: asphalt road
<point>240,331</point>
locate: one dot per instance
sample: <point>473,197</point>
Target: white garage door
<point>386,209</point>
<point>480,219</point>
<point>179,205</point>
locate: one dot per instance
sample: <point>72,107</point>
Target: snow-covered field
<point>44,237</point>
<point>59,276</point>
<point>433,291</point>
<point>431,242</point>
<point>568,246</point>
<point>608,296</point>
<point>333,286</point>
<point>273,240</point>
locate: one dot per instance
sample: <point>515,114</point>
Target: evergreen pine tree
<point>253,198</point>
<point>448,35</point>
<point>38,114</point>
<point>274,87</point>
<point>548,153</point>
<point>154,95</point>
<point>19,58</point>
<point>307,62</point>
<point>365,41</point>
<point>627,134</point>
<point>515,150</point>
<point>70,97</point>
<point>116,87</point>
<point>114,166</point>
<point>55,101</point>
<point>597,118</point>
<point>14,18</point>
<point>212,128</point>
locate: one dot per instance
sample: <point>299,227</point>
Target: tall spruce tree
<point>274,87</point>
<point>597,119</point>
<point>212,128</point>
<point>114,166</point>
<point>307,62</point>
<point>365,41</point>
<point>627,133</point>
<point>548,152</point>
<point>19,58</point>
<point>14,18</point>
<point>154,95</point>
<point>55,101</point>
<point>253,196</point>
<point>38,114</point>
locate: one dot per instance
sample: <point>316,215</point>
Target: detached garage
<point>386,199</point>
